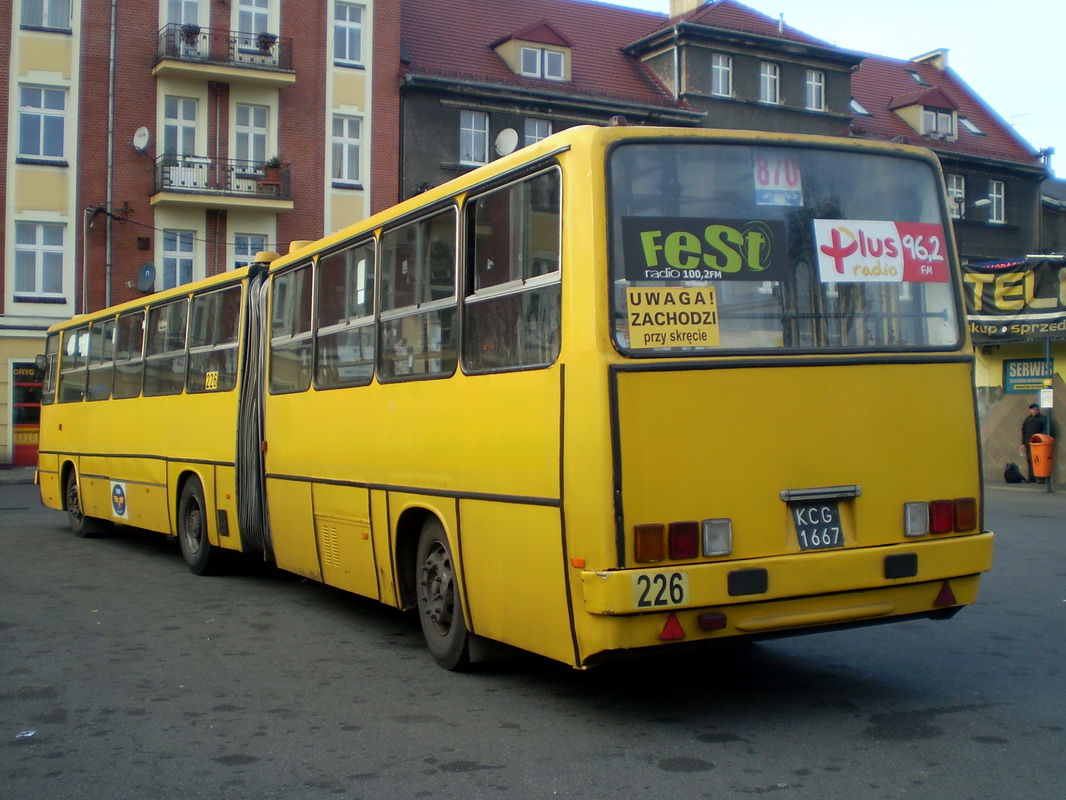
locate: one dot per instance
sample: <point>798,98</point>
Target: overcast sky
<point>1009,53</point>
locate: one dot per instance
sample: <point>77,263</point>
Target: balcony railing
<point>231,48</point>
<point>230,177</point>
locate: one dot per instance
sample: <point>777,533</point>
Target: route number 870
<point>660,589</point>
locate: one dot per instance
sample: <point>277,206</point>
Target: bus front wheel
<point>81,525</point>
<point>440,609</point>
<point>198,552</point>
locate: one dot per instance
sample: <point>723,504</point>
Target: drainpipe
<point>677,64</point>
<point>110,151</point>
<point>85,225</point>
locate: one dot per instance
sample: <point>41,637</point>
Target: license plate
<point>818,526</point>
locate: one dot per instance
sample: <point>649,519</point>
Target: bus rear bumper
<point>680,586</point>
<point>848,589</point>
<point>610,638</point>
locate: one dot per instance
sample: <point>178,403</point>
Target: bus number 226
<point>660,589</point>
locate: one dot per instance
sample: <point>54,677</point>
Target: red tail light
<point>941,516</point>
<point>684,538</point>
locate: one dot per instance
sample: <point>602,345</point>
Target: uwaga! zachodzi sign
<point>1016,299</point>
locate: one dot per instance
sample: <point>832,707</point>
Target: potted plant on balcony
<point>272,168</point>
<point>190,34</point>
<point>265,41</point>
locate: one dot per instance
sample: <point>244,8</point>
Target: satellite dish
<point>506,141</point>
<point>146,277</point>
<point>140,139</point>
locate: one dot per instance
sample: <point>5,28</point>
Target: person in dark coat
<point>1034,423</point>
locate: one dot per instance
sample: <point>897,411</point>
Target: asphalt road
<point>139,680</point>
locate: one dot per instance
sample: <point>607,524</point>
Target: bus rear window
<point>736,247</point>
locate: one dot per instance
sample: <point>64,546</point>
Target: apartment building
<point>154,142</point>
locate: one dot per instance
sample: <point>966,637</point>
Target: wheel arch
<point>407,530</point>
<point>65,468</point>
<point>206,490</point>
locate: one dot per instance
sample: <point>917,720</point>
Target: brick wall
<point>385,132</point>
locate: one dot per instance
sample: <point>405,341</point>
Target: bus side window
<point>48,384</point>
<point>164,365</point>
<point>290,337</point>
<point>129,355</point>
<point>73,371</point>
<point>213,338</point>
<point>344,351</point>
<point>512,302</point>
<point>101,359</point>
<point>418,310</point>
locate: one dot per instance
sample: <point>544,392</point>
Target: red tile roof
<point>735,16</point>
<point>461,46</point>
<point>882,84</point>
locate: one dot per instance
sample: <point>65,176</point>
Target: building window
<point>721,75</point>
<point>997,193</point>
<point>46,14</point>
<point>42,122</point>
<point>473,137</point>
<point>346,148</point>
<point>968,125</point>
<point>177,258</point>
<point>348,34</point>
<point>253,16</point>
<point>179,125</point>
<point>937,123</point>
<point>856,108</point>
<point>956,196</point>
<point>769,83</point>
<point>537,129</point>
<point>245,246</point>
<point>38,260</point>
<point>815,90</point>
<point>251,135</point>
<point>539,62</point>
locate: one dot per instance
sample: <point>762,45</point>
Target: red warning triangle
<point>672,630</point>
<point>946,597</point>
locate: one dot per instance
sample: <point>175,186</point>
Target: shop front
<point>1017,317</point>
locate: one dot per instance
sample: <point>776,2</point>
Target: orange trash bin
<point>1042,448</point>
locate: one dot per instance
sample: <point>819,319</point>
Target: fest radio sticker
<point>672,317</point>
<point>119,507</point>
<point>699,249</point>
<point>777,179</point>
<point>856,251</point>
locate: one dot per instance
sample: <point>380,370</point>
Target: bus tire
<point>440,609</point>
<point>81,525</point>
<point>196,549</point>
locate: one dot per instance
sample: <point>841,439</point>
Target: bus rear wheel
<point>196,549</point>
<point>440,609</point>
<point>81,525</point>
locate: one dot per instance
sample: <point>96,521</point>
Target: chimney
<point>937,58</point>
<point>679,7</point>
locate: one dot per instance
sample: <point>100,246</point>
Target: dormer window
<point>540,62</point>
<point>938,123</point>
<point>536,51</point>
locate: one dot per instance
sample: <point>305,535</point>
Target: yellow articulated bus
<point>623,389</point>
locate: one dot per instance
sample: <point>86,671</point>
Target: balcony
<point>221,55</point>
<point>220,183</point>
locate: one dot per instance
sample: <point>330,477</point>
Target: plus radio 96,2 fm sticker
<point>880,251</point>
